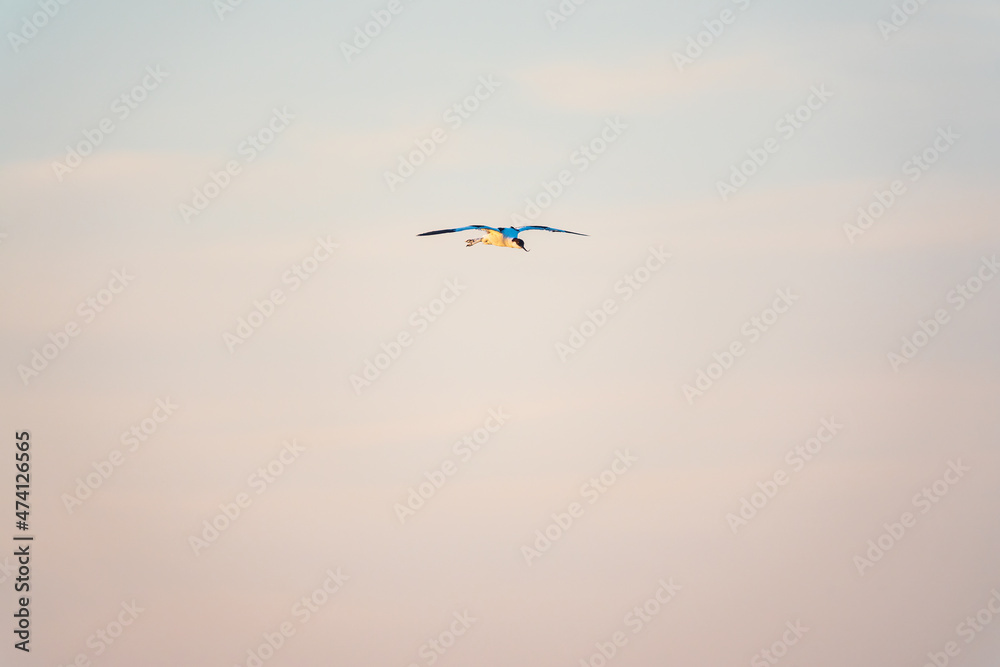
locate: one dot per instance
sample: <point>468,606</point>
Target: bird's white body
<point>495,238</point>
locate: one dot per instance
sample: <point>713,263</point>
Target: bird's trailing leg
<point>472,242</point>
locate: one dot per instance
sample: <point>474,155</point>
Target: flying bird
<point>504,237</point>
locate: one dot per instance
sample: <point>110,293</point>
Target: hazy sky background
<point>495,346</point>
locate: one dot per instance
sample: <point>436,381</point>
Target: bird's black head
<point>520,244</point>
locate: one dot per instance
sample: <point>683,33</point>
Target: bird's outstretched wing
<point>548,229</point>
<point>458,229</point>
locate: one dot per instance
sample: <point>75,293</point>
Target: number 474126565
<point>22,479</point>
